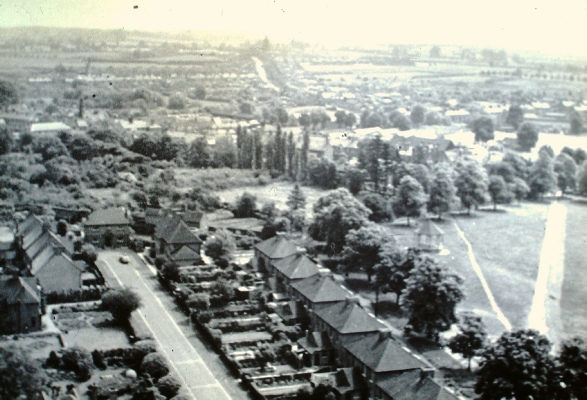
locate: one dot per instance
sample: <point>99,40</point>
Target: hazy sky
<point>549,26</point>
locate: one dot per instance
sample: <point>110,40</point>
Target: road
<point>202,372</point>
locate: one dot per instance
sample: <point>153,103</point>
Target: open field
<point>574,295</point>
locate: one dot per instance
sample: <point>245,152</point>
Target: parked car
<point>124,259</point>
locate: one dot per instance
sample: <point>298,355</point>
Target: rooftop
<point>319,289</point>
<point>108,216</point>
<point>277,247</point>
<point>296,266</point>
<point>348,317</point>
<point>49,127</point>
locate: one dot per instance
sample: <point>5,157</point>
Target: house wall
<point>108,235</point>
<point>20,318</point>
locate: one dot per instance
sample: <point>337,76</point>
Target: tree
<point>582,180</point>
<point>355,178</point>
<point>155,366</point>
<point>350,120</point>
<point>296,199</point>
<point>8,94</point>
<point>335,214</point>
<point>542,179</point>
<point>418,115</point>
<point>527,136</point>
<point>519,188</point>
<point>269,211</point>
<point>431,295</point>
<point>305,120</point>
<point>224,152</point>
<point>502,169</point>
<point>291,152</point>
<point>168,386</point>
<point>409,199</point>
<point>78,360</point>
<point>515,116</point>
<point>322,173</point>
<point>435,52</point>
<point>340,116</point>
<point>89,253</point>
<point>121,303</point>
<point>470,339</point>
<point>483,128</point>
<point>566,172</point>
<point>518,366</point>
<point>6,141</point>
<point>499,190</point>
<point>378,205</point>
<point>198,154</point>
<point>219,245</point>
<point>520,165</point>
<point>246,206</point>
<point>362,246</point>
<point>61,228</point>
<point>19,374</point>
<point>572,368</point>
<point>393,269</point>
<point>471,184</point>
<point>200,93</point>
<point>576,122</point>
<point>399,121</point>
<point>442,190</point>
<point>304,155</point>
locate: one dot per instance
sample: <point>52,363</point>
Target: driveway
<point>200,368</point>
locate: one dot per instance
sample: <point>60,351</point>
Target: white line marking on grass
<point>500,315</point>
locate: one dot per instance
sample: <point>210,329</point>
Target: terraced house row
<point>367,359</point>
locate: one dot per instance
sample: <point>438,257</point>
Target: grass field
<point>574,297</point>
<point>507,248</point>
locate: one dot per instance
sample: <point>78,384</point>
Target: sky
<point>547,26</point>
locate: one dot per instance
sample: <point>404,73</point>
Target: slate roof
<point>343,380</point>
<point>19,290</point>
<point>42,258</point>
<point>277,247</point>
<point>381,353</point>
<point>107,217</point>
<point>347,317</point>
<point>319,289</point>
<point>315,341</point>
<point>184,253</point>
<point>55,259</point>
<point>412,386</point>
<point>33,234</point>
<point>176,231</point>
<point>296,266</point>
<point>29,223</point>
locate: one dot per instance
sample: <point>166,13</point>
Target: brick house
<point>20,305</point>
<point>109,227</point>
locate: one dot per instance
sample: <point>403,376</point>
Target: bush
<point>77,360</point>
<point>98,360</point>
<point>121,303</point>
<point>73,296</point>
<point>154,365</point>
<point>147,346</point>
<point>168,386</point>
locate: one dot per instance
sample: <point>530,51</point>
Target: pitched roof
<point>175,231</point>
<point>381,353</point>
<point>343,380</point>
<point>315,341</point>
<point>33,234</point>
<point>108,216</point>
<point>412,385</point>
<point>59,259</point>
<point>17,290</point>
<point>42,258</point>
<point>319,289</point>
<point>347,317</point>
<point>296,266</point>
<point>429,228</point>
<point>49,126</point>
<point>30,222</point>
<point>184,253</point>
<point>277,247</point>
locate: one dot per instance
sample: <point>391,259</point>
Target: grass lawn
<point>574,295</point>
<point>507,248</point>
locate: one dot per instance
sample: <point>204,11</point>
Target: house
<point>20,305</point>
<point>346,383</point>
<point>271,250</point>
<point>379,356</point>
<point>316,349</point>
<point>18,123</point>
<point>55,271</point>
<point>49,128</point>
<point>411,385</point>
<point>319,290</point>
<point>7,245</point>
<point>109,227</point>
<point>346,319</point>
<point>290,269</point>
<point>174,239</point>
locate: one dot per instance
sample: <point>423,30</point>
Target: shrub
<point>154,365</point>
<point>121,303</point>
<point>53,361</point>
<point>77,360</point>
<point>98,359</point>
<point>147,346</point>
<point>168,386</point>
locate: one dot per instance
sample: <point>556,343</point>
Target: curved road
<point>202,373</point>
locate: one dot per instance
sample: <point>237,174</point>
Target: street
<point>198,367</point>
